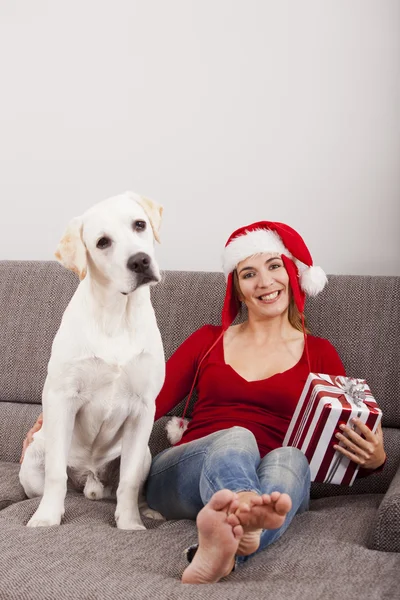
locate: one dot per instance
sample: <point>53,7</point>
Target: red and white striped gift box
<point>324,404</point>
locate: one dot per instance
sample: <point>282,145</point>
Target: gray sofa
<point>347,546</point>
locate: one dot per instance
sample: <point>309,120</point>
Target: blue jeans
<point>182,479</point>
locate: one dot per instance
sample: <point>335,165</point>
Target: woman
<point>229,471</point>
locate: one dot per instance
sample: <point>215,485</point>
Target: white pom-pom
<point>175,429</point>
<point>313,280</point>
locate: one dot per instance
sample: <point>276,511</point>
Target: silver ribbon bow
<point>353,387</point>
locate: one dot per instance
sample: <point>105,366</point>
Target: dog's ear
<point>71,251</point>
<point>154,212</point>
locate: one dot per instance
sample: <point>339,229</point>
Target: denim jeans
<point>182,479</point>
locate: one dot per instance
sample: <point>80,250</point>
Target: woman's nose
<point>265,280</point>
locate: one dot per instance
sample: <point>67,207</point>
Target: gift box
<point>325,403</point>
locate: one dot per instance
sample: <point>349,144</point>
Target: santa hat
<point>270,237</point>
<point>258,238</point>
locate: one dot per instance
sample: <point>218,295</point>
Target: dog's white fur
<point>106,367</point>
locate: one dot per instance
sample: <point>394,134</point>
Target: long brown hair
<point>294,315</point>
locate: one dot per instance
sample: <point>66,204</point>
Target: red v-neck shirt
<point>226,399</point>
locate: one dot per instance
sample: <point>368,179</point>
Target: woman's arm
<point>328,360</point>
<point>366,448</point>
<point>181,369</point>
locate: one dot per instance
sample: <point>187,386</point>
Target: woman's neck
<point>269,330</point>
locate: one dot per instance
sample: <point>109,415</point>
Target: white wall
<point>225,111</point>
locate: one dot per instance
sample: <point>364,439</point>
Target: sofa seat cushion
<point>11,490</point>
<point>15,422</point>
<point>88,557</point>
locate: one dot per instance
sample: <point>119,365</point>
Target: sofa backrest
<point>360,315</point>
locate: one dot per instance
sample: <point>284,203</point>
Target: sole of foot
<point>219,532</point>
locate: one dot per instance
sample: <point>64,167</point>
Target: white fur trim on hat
<point>253,242</point>
<point>312,280</point>
<point>175,429</point>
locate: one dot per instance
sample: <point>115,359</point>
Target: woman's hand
<point>369,453</point>
<point>29,435</point>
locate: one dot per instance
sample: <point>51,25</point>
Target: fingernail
<point>342,426</point>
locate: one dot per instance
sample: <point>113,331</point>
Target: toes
<point>283,504</point>
<point>275,496</point>
<point>234,505</point>
<point>238,531</point>
<point>267,499</point>
<point>256,500</point>
<point>233,520</point>
<point>221,499</point>
<point>243,514</point>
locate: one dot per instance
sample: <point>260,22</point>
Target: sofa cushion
<point>33,297</point>
<point>15,421</point>
<point>360,315</point>
<point>87,557</point>
<point>385,534</point>
<point>11,490</point>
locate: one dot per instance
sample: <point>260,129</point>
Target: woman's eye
<point>139,225</point>
<point>275,266</point>
<point>104,242</point>
<point>248,275</point>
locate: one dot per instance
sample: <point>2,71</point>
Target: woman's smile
<point>270,297</point>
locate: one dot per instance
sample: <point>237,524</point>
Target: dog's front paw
<point>124,521</point>
<point>45,518</point>
<point>152,514</point>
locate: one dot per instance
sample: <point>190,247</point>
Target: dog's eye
<point>139,225</point>
<point>103,242</point>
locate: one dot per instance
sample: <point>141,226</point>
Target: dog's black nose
<point>139,263</point>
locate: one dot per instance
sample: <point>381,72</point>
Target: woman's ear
<point>71,251</point>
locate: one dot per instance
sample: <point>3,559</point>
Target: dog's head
<point>114,240</point>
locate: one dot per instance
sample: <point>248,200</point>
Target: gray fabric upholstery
<point>10,489</point>
<point>359,315</point>
<point>385,534</point>
<point>347,545</point>
<point>15,421</point>
<point>33,297</point>
<point>87,557</point>
<point>364,328</point>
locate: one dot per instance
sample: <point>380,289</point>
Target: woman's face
<point>264,285</point>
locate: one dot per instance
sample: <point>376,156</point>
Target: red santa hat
<point>270,237</point>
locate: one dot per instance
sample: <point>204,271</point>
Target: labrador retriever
<point>106,366</point>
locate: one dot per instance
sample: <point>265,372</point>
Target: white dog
<point>107,363</point>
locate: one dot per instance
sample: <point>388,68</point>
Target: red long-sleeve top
<point>225,399</point>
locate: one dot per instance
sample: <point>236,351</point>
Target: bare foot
<point>219,536</point>
<point>256,513</point>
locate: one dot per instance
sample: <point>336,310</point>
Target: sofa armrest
<point>385,534</point>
